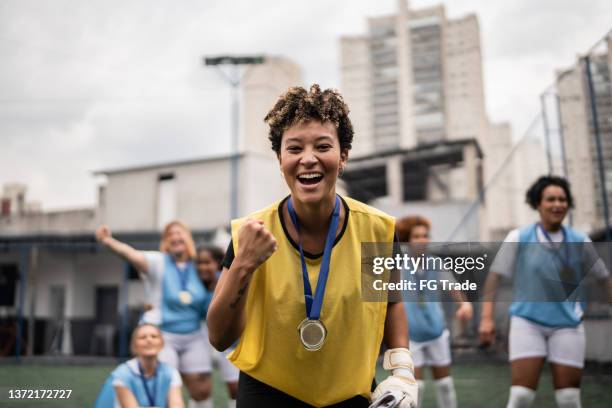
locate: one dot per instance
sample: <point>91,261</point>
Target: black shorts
<point>255,394</point>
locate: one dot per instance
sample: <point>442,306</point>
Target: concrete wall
<point>356,88</point>
<point>202,192</point>
<point>500,214</point>
<point>463,80</point>
<point>58,222</point>
<point>445,216</point>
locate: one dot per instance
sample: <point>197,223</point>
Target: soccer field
<point>478,385</point>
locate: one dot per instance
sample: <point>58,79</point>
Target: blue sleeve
<point>122,376</point>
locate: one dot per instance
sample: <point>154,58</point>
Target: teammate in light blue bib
<point>547,262</point>
<point>429,338</point>
<point>143,381</point>
<point>177,303</point>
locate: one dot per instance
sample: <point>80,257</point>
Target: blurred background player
<point>429,337</point>
<point>179,302</point>
<point>546,329</point>
<point>143,381</point>
<point>208,263</point>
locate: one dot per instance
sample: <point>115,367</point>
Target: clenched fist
<point>103,234</point>
<point>255,244</point>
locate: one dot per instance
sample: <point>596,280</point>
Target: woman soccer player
<point>179,302</point>
<point>291,289</point>
<point>143,381</point>
<point>429,337</point>
<point>208,263</point>
<point>536,256</point>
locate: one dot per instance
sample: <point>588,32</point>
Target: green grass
<point>487,385</point>
<point>478,385</point>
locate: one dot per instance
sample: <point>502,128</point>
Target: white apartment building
<point>415,79</point>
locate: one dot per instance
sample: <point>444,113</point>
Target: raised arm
<point>226,316</point>
<point>133,256</point>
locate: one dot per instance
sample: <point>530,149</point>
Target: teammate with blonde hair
<point>179,302</point>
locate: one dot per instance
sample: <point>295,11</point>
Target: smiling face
<point>419,238</point>
<point>310,159</point>
<point>206,265</point>
<point>176,241</point>
<point>553,206</point>
<point>147,341</point>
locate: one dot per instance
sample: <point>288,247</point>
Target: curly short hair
<point>297,106</point>
<point>404,226</point>
<point>533,197</point>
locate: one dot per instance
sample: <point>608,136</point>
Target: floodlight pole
<point>234,80</point>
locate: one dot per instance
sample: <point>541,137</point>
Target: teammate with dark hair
<point>541,255</point>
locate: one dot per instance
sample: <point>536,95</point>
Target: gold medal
<point>312,334</point>
<point>185,297</point>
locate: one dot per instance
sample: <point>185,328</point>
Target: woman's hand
<point>103,234</point>
<point>465,312</point>
<point>255,245</point>
<point>486,331</point>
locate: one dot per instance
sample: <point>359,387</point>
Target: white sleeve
<point>505,259</point>
<point>176,379</point>
<point>593,263</point>
<point>118,382</point>
<point>155,264</point>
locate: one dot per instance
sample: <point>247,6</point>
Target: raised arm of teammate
<point>226,317</point>
<point>133,256</point>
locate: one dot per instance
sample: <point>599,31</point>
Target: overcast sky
<point>94,84</point>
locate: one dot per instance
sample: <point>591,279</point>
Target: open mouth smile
<point>310,178</point>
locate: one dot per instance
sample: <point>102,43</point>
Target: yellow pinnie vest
<point>270,350</point>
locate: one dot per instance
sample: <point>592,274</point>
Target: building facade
<point>579,136</point>
<point>415,79</point>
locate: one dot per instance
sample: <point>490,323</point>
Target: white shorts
<point>188,353</point>
<point>432,353</point>
<point>565,345</point>
<point>229,372</point>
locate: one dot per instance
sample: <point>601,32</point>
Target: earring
<point>341,172</point>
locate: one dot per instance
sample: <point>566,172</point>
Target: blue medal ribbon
<point>150,394</point>
<point>565,260</point>
<point>183,275</point>
<point>314,304</point>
